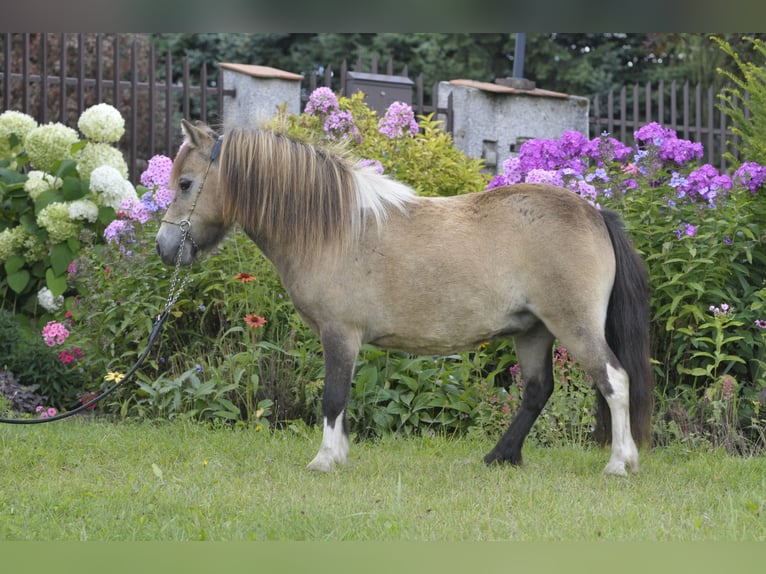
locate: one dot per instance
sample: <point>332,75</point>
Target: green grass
<point>93,480</point>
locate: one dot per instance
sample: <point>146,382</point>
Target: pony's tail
<point>627,333</point>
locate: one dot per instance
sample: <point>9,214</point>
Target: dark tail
<point>627,333</point>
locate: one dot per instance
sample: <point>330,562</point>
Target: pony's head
<point>194,221</point>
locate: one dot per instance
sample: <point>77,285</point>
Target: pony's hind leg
<point>340,357</point>
<point>616,392</point>
<point>597,359</point>
<point>534,351</point>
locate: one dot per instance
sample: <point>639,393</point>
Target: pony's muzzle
<point>172,250</point>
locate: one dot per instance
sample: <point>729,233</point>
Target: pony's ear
<point>195,135</point>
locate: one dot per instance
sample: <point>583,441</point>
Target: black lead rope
<point>175,293</point>
<point>158,323</point>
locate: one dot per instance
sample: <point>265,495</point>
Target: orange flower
<point>244,277</point>
<point>255,321</point>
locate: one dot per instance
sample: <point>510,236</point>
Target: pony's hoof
<point>321,464</point>
<point>497,458</point>
<point>615,468</point>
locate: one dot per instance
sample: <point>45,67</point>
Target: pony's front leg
<point>340,357</point>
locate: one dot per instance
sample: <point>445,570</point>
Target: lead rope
<point>176,288</point>
<point>175,293</point>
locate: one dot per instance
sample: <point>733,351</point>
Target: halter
<point>185,224</point>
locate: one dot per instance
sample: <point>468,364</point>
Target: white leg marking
<point>334,447</point>
<point>624,451</point>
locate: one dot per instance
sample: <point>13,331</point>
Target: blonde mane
<point>304,197</point>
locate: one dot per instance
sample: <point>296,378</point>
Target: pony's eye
<point>185,184</point>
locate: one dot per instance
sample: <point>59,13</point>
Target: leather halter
<point>185,224</point>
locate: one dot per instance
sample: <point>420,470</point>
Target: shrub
<point>701,234</point>
<point>57,193</point>
<point>35,365</point>
<point>745,101</point>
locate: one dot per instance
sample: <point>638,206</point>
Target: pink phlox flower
<point>398,122</point>
<point>55,333</point>
<point>321,102</point>
<point>157,172</point>
<point>340,125</point>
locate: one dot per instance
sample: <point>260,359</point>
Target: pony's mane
<point>300,195</point>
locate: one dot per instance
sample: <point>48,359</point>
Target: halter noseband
<point>185,224</point>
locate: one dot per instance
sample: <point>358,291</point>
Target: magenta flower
<point>55,333</point>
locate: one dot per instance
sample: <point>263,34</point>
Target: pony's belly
<point>444,339</point>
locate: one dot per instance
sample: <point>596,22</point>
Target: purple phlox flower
<point>136,210</point>
<point>498,181</point>
<point>340,125</point>
<point>374,164</point>
<point>680,151</point>
<point>541,154</point>
<point>598,173</point>
<point>653,133</point>
<point>724,309</point>
<point>706,184</point>
<point>321,102</point>
<point>686,229</point>
<point>512,170</point>
<point>760,323</point>
<point>750,175</point>
<point>149,202</point>
<point>163,197</point>
<point>606,149</point>
<point>572,143</point>
<point>398,122</point>
<point>545,176</point>
<point>157,172</point>
<point>119,230</point>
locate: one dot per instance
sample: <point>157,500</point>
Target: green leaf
<point>72,189</point>
<point>68,170</point>
<point>57,284</point>
<point>61,257</point>
<point>18,280</point>
<point>106,214</point>
<point>14,263</point>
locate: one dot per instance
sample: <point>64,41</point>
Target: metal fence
<point>54,77</point>
<point>690,110</point>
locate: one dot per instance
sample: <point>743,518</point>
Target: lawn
<point>79,480</point>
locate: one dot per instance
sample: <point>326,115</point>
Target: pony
<point>364,259</point>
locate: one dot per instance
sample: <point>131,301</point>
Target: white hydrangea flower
<point>55,218</point>
<point>39,182</point>
<point>14,123</point>
<point>83,209</point>
<point>11,240</point>
<point>48,301</point>
<point>102,123</point>
<point>94,155</point>
<point>49,144</point>
<point>110,187</point>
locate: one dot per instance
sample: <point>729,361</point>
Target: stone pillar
<point>491,121</point>
<point>259,90</point>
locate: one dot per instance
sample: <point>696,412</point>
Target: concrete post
<point>491,121</point>
<point>258,92</point>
